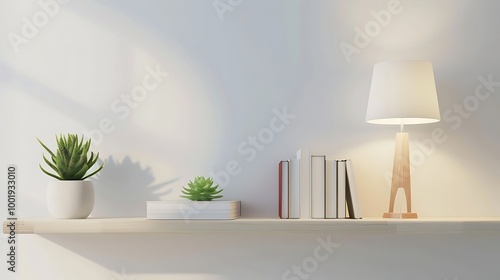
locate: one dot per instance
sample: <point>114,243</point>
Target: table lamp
<point>402,92</point>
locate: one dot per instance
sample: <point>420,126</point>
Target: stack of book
<point>311,186</point>
<point>193,209</point>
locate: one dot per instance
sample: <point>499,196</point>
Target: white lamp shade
<point>403,92</point>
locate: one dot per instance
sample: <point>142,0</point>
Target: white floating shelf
<point>366,225</point>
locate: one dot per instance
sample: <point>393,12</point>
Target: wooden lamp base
<point>400,215</point>
<point>401,178</point>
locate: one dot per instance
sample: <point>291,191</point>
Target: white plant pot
<point>70,199</point>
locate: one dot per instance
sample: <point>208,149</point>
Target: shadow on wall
<point>266,256</point>
<point>122,189</point>
<point>192,256</point>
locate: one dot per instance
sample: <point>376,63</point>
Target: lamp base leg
<point>392,215</point>
<point>401,178</point>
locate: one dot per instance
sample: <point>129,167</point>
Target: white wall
<point>228,73</point>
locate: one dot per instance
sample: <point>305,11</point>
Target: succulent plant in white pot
<point>70,196</point>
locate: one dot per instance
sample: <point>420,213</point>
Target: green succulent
<point>70,161</point>
<point>201,190</point>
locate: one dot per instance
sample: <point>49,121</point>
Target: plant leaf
<point>93,173</point>
<point>50,174</point>
<point>45,147</point>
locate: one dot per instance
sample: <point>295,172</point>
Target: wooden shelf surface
<point>142,225</point>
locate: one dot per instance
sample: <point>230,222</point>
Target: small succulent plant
<point>201,189</point>
<point>70,161</point>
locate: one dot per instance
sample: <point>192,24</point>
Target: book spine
<point>352,192</point>
<point>283,189</point>
<point>305,187</point>
<point>331,189</point>
<point>318,163</point>
<point>294,191</point>
<point>341,189</point>
<point>280,189</point>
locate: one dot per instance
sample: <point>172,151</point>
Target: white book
<point>192,215</point>
<point>318,179</point>
<point>305,189</point>
<point>294,191</point>
<point>283,189</point>
<point>188,205</point>
<point>331,190</point>
<point>352,193</point>
<point>341,189</point>
<point>186,209</point>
